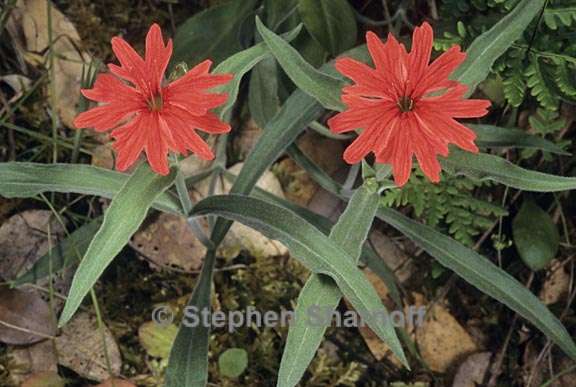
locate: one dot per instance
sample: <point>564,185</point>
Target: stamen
<point>405,104</point>
<point>155,104</point>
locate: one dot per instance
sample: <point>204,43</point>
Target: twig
<point>387,15</point>
<point>496,369</point>
<point>25,330</point>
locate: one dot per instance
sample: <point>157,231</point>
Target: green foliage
<point>562,16</point>
<point>546,123</point>
<point>191,44</point>
<point>535,235</point>
<point>536,81</point>
<point>233,362</point>
<point>448,205</point>
<point>514,86</point>
<point>330,22</point>
<point>545,75</point>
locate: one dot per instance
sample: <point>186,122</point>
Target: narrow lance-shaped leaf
<point>349,234</point>
<point>188,365</point>
<point>22,180</point>
<point>313,249</point>
<point>331,22</point>
<point>213,33</point>
<point>122,219</point>
<point>482,273</point>
<point>239,64</point>
<point>490,136</point>
<point>323,87</point>
<point>489,167</point>
<point>263,97</point>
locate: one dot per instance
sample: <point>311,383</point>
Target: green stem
<point>181,188</point>
<point>102,331</point>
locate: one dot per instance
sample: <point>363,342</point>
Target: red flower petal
<point>185,134</point>
<point>156,147</point>
<point>133,66</point>
<point>103,117</point>
<point>361,113</point>
<point>108,88</point>
<point>361,74</point>
<point>361,146</point>
<point>157,55</point>
<point>401,157</point>
<point>200,69</point>
<point>437,73</point>
<point>419,56</point>
<point>465,108</point>
<point>129,144</point>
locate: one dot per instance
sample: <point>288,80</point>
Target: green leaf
<point>188,364</point>
<point>233,362</point>
<point>535,235</point>
<point>309,245</point>
<point>311,51</point>
<point>304,339</point>
<point>65,254</point>
<point>263,97</point>
<point>483,166</point>
<point>122,219</point>
<point>489,46</point>
<point>21,180</point>
<point>484,275</point>
<point>279,12</point>
<point>490,136</point>
<point>213,33</point>
<point>239,64</point>
<point>323,87</point>
<point>331,22</point>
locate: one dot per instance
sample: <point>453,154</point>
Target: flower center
<point>405,104</point>
<point>155,103</point>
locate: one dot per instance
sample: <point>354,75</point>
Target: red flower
<point>406,106</point>
<point>149,114</point>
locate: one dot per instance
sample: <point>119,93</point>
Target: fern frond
<point>565,81</point>
<point>537,84</point>
<point>546,122</point>
<point>566,16</point>
<point>514,87</point>
<point>448,205</point>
